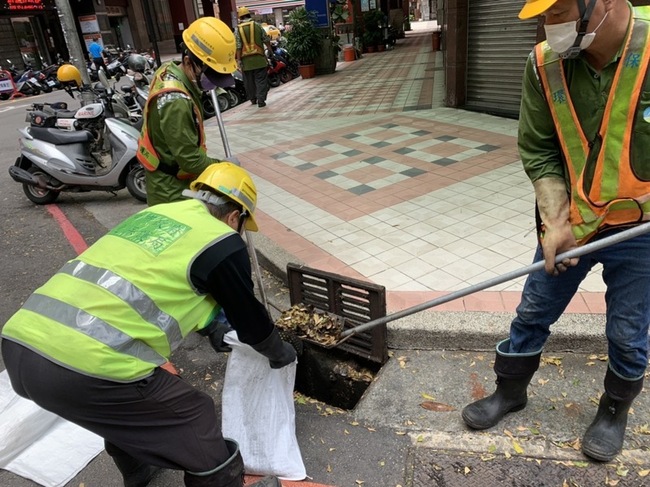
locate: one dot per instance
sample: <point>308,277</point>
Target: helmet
<point>67,73</point>
<point>242,12</point>
<point>534,8</point>
<point>212,41</point>
<point>232,181</point>
<point>137,63</point>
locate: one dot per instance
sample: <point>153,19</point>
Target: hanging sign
<point>88,24</point>
<point>322,11</point>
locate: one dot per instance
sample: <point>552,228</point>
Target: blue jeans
<point>626,273</point>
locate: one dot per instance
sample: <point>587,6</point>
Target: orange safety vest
<point>249,47</point>
<point>147,154</point>
<point>615,195</point>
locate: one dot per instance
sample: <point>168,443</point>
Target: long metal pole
<point>249,236</point>
<point>78,58</point>
<point>536,266</point>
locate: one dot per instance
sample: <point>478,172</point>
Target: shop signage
<point>321,7</point>
<point>23,5</point>
<point>88,24</point>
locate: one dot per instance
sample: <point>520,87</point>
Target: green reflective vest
<point>615,196</point>
<point>147,154</point>
<point>120,308</point>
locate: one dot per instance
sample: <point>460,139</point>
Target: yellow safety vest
<point>121,308</point>
<point>615,196</point>
<point>249,47</point>
<point>147,154</point>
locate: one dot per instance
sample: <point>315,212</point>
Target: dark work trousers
<point>256,83</point>
<point>160,420</point>
<point>99,63</point>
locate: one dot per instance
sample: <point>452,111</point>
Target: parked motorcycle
<point>99,156</point>
<point>25,82</point>
<point>237,93</point>
<point>283,55</point>
<point>278,72</point>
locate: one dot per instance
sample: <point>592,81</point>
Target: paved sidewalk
<point>364,173</point>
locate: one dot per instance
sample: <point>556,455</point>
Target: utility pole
<point>151,30</point>
<point>72,38</point>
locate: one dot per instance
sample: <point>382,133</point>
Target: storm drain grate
<point>430,468</point>
<point>356,301</point>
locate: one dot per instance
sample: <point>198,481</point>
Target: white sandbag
<point>258,412</point>
<point>39,445</point>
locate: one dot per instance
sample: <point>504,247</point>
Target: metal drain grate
<point>356,301</point>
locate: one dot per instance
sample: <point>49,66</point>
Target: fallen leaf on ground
<point>437,406</point>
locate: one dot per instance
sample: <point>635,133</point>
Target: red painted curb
<point>69,231</point>
<point>285,483</point>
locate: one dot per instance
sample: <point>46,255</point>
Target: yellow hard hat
<point>67,73</point>
<point>533,8</point>
<point>232,181</point>
<point>213,42</point>
<point>243,11</point>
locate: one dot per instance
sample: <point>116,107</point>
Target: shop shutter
<point>9,48</point>
<point>498,45</point>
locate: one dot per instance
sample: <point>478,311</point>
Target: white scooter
<point>99,156</point>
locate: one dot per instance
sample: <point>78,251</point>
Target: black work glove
<point>279,352</point>
<point>216,337</point>
<point>215,332</point>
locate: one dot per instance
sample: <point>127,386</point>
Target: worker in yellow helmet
<point>251,39</point>
<point>583,140</point>
<point>93,344</point>
<point>172,142</point>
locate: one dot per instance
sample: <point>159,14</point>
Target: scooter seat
<point>60,137</point>
<point>65,113</point>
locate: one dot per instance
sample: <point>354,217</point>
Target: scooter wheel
<point>136,183</point>
<point>285,76</point>
<point>224,102</point>
<point>38,195</point>
<point>274,80</point>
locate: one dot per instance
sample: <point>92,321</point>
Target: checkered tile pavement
<point>364,173</point>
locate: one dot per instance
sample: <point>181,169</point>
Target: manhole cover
<point>461,469</point>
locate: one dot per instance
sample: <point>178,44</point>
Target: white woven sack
<point>258,412</point>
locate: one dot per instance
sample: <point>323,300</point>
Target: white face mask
<point>560,37</point>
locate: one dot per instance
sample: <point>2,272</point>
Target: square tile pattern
<point>414,143</point>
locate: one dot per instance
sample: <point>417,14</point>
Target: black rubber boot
<point>514,373</point>
<point>605,435</point>
<point>229,474</point>
<point>134,472</point>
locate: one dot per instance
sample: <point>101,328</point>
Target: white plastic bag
<point>258,412</point>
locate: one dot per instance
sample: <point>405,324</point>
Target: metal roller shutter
<point>498,45</point>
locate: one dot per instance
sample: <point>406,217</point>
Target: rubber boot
<point>134,472</point>
<point>604,438</point>
<point>228,474</point>
<point>514,373</point>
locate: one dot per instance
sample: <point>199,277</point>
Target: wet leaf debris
<point>307,322</point>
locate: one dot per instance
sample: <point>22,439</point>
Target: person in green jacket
<point>251,38</point>
<point>583,141</point>
<point>172,143</point>
<point>93,344</point>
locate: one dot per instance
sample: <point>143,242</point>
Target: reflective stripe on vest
<point>616,196</point>
<point>147,154</point>
<point>118,319</point>
<point>249,47</point>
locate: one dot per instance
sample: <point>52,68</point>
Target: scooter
<point>278,72</point>
<point>99,157</point>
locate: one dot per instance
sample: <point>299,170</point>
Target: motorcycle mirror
<point>102,78</point>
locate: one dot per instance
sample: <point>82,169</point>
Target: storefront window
<point>27,41</point>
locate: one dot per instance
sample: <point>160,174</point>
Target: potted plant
<point>372,29</point>
<point>304,40</point>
